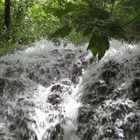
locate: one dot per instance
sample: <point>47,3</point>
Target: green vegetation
<point>78,21</point>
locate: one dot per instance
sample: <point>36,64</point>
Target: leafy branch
<point>131,21</point>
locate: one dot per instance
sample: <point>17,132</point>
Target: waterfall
<point>50,92</point>
<point>111,96</point>
<point>39,89</point>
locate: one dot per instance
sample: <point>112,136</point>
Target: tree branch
<point>131,20</point>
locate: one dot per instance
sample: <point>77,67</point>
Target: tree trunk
<point>7,14</point>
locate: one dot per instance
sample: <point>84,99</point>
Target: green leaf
<point>98,45</point>
<point>87,31</point>
<point>98,13</point>
<point>62,32</point>
<point>70,7</point>
<point>59,12</point>
<point>56,11</point>
<point>115,30</point>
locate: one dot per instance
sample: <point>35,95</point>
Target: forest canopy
<point>77,21</point>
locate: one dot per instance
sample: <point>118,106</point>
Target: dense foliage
<point>94,21</point>
<point>100,21</point>
<point>29,21</point>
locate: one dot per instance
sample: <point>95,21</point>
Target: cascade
<point>111,96</point>
<point>64,93</point>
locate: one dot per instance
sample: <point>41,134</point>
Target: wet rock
<point>40,75</point>
<point>76,72</point>
<point>109,132</point>
<point>111,65</point>
<point>14,86</point>
<point>31,76</point>
<point>102,89</point>
<point>111,110</point>
<point>70,56</point>
<point>85,113</point>
<point>27,134</point>
<point>22,109</point>
<point>55,71</point>
<point>137,74</point>
<point>102,115</point>
<point>55,52</point>
<point>54,99</point>
<point>111,70</point>
<point>92,99</point>
<point>56,88</point>
<point>136,90</point>
<point>87,98</point>
<point>11,86</point>
<point>24,102</point>
<point>136,83</point>
<point>13,72</point>
<point>2,84</point>
<point>68,83</point>
<point>131,128</point>
<point>19,122</point>
<point>68,50</point>
<point>91,60</point>
<point>96,93</point>
<point>107,74</point>
<point>86,123</point>
<point>56,133</point>
<point>88,135</point>
<point>91,87</point>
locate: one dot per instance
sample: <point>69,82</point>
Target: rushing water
<point>39,92</point>
<point>63,93</point>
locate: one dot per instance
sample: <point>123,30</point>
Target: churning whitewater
<point>63,93</point>
<point>40,92</point>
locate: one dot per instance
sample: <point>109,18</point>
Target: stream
<point>50,92</point>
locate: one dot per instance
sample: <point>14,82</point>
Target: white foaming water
<point>120,50</point>
<point>117,52</point>
<point>47,116</point>
<point>71,104</point>
<point>49,104</point>
<point>111,118</point>
<point>47,107</point>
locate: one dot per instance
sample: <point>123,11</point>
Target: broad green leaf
<point>115,30</point>
<point>62,32</point>
<point>70,7</point>
<point>56,11</point>
<point>98,13</point>
<point>87,31</point>
<point>98,45</point>
<point>59,12</point>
